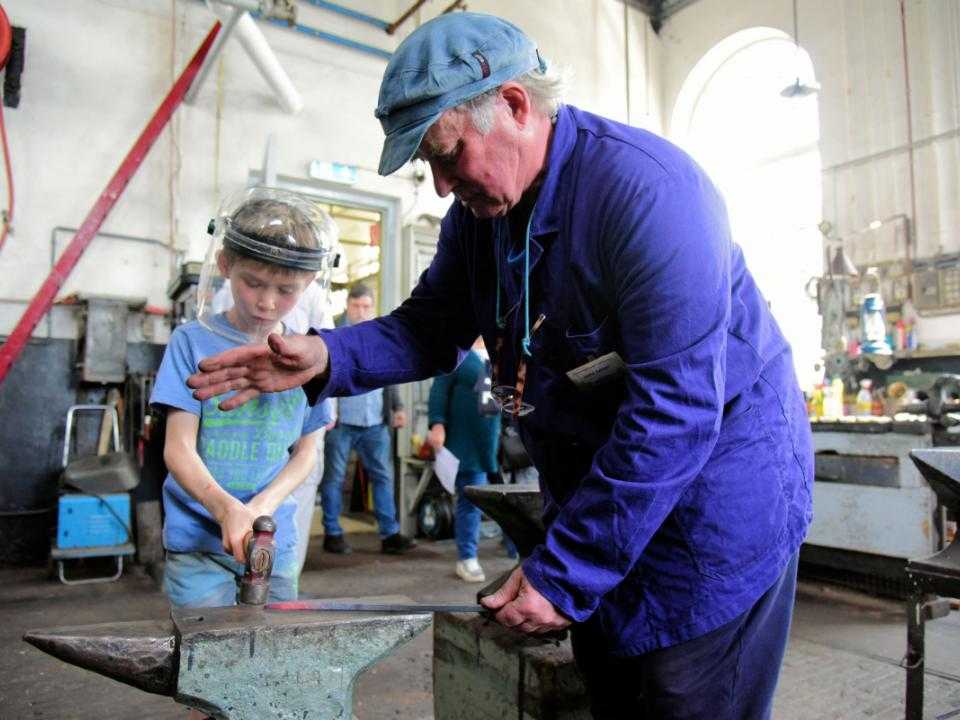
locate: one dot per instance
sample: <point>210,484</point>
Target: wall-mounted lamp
<point>798,89</point>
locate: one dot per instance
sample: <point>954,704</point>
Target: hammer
<point>260,551</point>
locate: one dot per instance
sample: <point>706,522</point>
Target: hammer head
<point>260,552</point>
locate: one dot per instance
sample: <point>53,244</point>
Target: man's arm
<point>668,259</point>
<point>180,454</point>
<point>427,335</point>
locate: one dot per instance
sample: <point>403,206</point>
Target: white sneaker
<point>470,571</point>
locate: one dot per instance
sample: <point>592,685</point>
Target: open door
<point>418,248</point>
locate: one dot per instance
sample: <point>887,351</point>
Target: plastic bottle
<point>912,337</point>
<point>833,399</point>
<point>873,326</point>
<point>864,404</point>
<point>815,403</point>
<point>900,335</point>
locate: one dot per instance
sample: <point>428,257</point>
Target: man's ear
<point>518,101</point>
<point>223,264</point>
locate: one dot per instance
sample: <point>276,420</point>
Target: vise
<point>246,662</point>
<point>935,578</point>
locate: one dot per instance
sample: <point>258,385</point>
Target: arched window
<point>761,149</point>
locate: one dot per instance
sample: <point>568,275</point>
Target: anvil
<point>243,662</point>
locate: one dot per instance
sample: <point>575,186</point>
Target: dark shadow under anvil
<point>240,663</point>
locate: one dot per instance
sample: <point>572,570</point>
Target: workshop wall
<point>97,69</point>
<point>858,55</point>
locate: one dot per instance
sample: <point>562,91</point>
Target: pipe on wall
<point>233,17</point>
<point>256,46</point>
<point>350,13</point>
<point>110,236</point>
<point>336,39</point>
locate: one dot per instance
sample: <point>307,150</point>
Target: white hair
<point>546,90</point>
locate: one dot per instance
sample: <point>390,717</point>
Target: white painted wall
<point>858,55</point>
<point>97,69</point>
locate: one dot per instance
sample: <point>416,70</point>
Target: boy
<point>227,468</point>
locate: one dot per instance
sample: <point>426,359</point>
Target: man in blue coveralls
<point>649,381</point>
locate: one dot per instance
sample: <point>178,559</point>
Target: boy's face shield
<point>270,244</point>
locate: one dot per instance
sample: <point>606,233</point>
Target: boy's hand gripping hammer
<point>259,549</point>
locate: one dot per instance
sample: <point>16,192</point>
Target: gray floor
<point>843,659</point>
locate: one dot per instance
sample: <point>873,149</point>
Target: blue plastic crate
<point>85,521</point>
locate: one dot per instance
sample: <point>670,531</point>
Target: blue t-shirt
<point>243,449</point>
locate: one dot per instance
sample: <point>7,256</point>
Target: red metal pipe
<point>47,293</point>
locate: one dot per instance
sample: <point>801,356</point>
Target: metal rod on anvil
<point>316,605</point>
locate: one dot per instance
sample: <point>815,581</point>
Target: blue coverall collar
<point>546,215</point>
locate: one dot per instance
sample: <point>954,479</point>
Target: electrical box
<point>936,284</point>
<point>85,521</point>
<point>103,355</point>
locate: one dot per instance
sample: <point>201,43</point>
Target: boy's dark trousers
<point>728,674</point>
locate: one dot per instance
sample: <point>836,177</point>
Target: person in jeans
<point>462,418</point>
<point>363,424</point>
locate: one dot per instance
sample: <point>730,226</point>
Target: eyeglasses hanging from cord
<point>798,89</point>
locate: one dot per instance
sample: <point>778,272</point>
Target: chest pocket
<point>582,347</point>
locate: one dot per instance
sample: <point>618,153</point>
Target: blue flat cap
<point>441,64</point>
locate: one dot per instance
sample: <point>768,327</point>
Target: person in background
<point>463,419</point>
<point>632,347</point>
<point>363,424</point>
<point>312,310</point>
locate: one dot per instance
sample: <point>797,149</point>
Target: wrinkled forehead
<point>443,135</point>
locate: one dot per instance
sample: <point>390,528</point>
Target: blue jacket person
<point>650,383</point>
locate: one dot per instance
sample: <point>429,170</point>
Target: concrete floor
<point>842,661</point>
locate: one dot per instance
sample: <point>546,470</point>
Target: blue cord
<point>525,343</point>
<point>501,321</point>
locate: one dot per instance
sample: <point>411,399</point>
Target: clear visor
<point>267,267</point>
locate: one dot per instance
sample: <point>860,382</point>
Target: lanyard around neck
<point>501,320</point>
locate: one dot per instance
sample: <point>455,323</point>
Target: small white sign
<point>333,172</point>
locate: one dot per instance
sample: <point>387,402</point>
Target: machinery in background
<point>933,579</point>
<point>873,510</point>
<point>93,510</point>
<point>182,292</point>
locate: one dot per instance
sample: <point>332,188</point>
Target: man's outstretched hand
<point>281,364</point>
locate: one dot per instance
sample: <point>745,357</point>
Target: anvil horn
<point>142,654</point>
<point>516,508</point>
